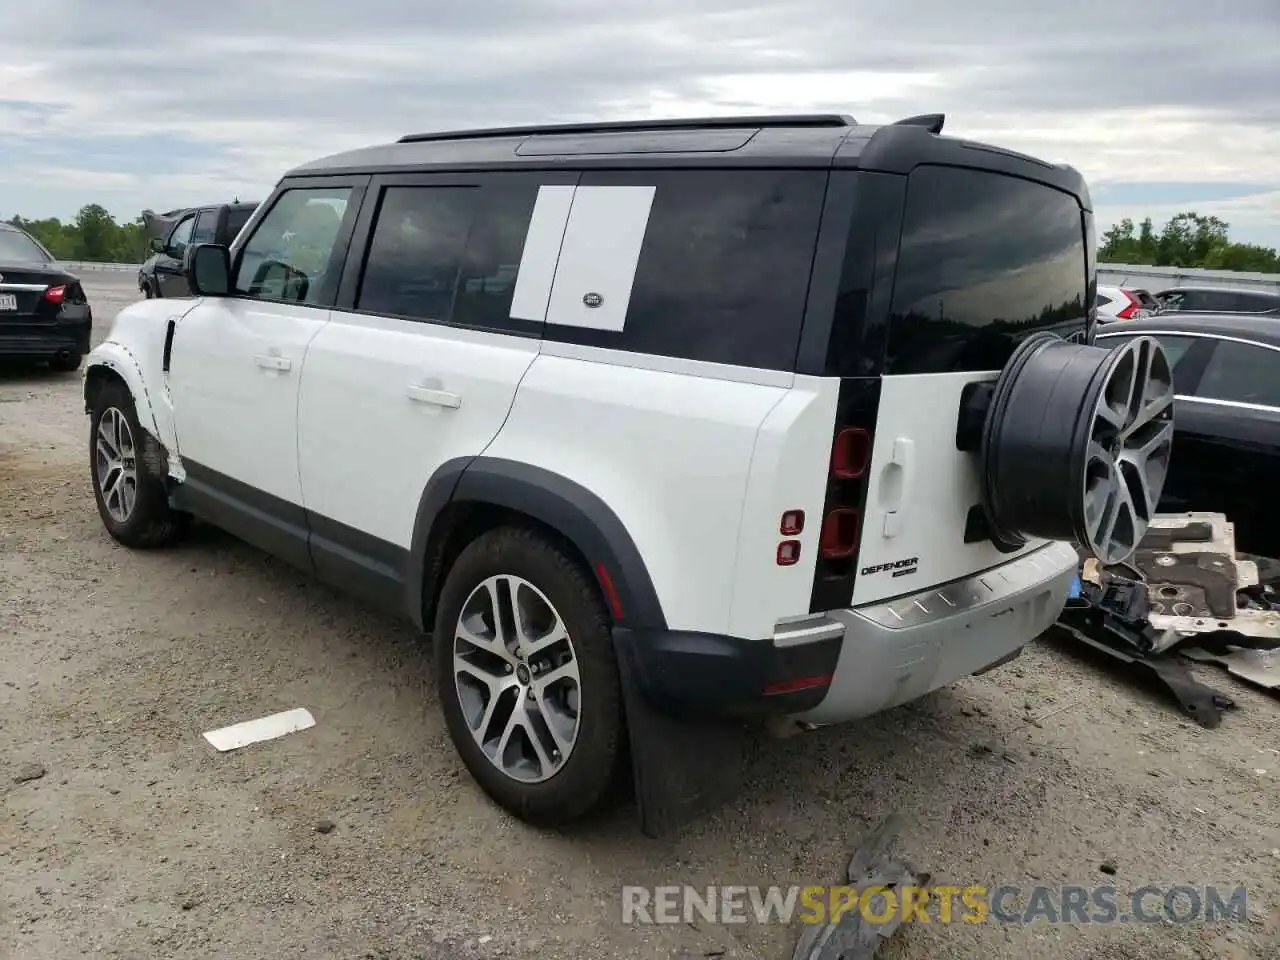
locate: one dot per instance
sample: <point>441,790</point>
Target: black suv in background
<point>1217,300</point>
<point>161,274</point>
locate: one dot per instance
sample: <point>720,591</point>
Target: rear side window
<point>984,259</point>
<point>236,219</point>
<point>722,271</point>
<point>206,230</point>
<point>1241,373</point>
<point>448,254</point>
<point>1250,301</point>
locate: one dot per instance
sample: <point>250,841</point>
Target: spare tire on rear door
<point>1075,444</point>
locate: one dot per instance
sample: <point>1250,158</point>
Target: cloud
<point>133,108</point>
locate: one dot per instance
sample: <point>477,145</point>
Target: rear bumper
<point>23,339</point>
<point>853,663</point>
<point>899,651</point>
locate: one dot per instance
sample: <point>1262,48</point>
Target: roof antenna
<point>930,121</point>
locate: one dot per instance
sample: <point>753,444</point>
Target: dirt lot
<point>140,841</point>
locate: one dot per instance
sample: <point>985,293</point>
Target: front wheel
<point>127,486</point>
<point>527,678</point>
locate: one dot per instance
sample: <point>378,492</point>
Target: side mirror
<point>207,269</point>
<point>156,245</point>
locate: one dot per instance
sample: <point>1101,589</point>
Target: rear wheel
<point>527,678</point>
<point>130,491</point>
<point>147,291</point>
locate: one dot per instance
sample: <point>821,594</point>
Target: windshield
<point>15,245</point>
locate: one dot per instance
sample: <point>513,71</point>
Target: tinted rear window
<point>18,246</point>
<point>236,219</point>
<point>984,259</point>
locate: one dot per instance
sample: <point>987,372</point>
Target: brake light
<point>56,294</point>
<point>851,453</point>
<point>840,530</point>
<point>844,502</point>
<point>1134,306</point>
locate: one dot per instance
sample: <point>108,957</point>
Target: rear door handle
<point>440,398</point>
<point>270,362</point>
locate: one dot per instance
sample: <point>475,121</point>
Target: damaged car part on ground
<point>824,541</point>
<point>1185,591</point>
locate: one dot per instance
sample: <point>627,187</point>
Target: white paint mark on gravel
<point>264,728</point>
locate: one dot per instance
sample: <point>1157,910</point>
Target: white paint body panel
<point>788,472</point>
<point>920,489</point>
<point>233,376</point>
<point>134,350</point>
<point>375,413</point>
<point>669,452</point>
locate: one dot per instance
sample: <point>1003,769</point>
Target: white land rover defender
<point>652,423</point>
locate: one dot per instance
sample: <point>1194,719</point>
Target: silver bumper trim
<point>937,603</point>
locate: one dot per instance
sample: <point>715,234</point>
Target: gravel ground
<point>139,841</point>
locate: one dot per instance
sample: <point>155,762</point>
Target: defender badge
<point>592,300</point>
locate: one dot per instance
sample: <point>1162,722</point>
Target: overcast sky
<point>1165,105</point>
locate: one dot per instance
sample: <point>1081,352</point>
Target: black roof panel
<point>817,140</point>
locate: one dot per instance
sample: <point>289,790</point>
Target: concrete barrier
<point>91,266</point>
<point>1162,278</point>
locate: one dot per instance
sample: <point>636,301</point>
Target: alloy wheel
<point>517,679</point>
<point>115,464</point>
<point>1129,448</point>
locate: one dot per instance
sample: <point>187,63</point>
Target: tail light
<point>1129,311</point>
<point>840,533</point>
<point>840,529</point>
<point>56,294</point>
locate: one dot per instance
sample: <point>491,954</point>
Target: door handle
<point>268,362</point>
<point>440,398</point>
<point>896,486</point>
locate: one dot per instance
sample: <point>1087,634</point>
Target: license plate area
<point>8,302</point>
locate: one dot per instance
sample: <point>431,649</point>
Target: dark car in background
<point>161,275</point>
<point>44,314</point>
<point>1218,300</point>
<point>1226,445</point>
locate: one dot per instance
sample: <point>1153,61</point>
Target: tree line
<point>1187,240</point>
<point>94,234</point>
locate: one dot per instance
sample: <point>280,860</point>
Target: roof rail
<point>619,126</point>
<point>930,121</point>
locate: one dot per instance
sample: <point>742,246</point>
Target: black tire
<point>590,776</point>
<point>67,364</point>
<point>152,522</point>
<point>147,291</point>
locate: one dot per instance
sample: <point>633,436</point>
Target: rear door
<point>983,260</point>
<point>1228,452</point>
<point>439,318</point>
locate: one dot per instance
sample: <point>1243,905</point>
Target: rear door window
<point>984,260</point>
<point>236,219</point>
<point>1242,373</point>
<point>206,230</point>
<point>449,254</point>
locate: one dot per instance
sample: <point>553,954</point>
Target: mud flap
<point>682,767</point>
